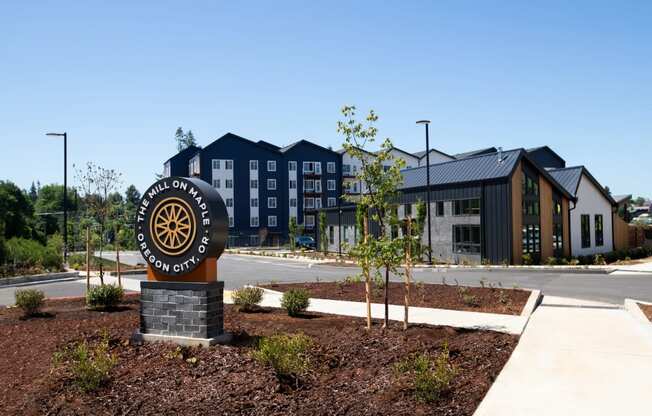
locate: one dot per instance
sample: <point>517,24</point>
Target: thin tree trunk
<point>367,277</point>
<point>117,256</point>
<point>88,258</point>
<point>408,271</point>
<point>386,320</point>
<point>101,255</point>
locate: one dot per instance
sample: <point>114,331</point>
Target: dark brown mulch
<point>476,299</point>
<point>352,367</point>
<point>647,310</point>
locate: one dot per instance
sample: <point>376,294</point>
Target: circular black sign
<point>179,223</point>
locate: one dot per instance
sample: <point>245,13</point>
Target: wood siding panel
<point>621,233</point>
<point>517,216</point>
<point>545,201</point>
<point>566,226</point>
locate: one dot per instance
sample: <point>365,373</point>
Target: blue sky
<point>120,77</point>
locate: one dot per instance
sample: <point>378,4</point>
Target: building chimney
<point>500,155</point>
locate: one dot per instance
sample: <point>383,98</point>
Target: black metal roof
<point>476,152</point>
<point>421,154</point>
<point>570,177</point>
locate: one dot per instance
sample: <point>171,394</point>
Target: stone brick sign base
<point>182,313</point>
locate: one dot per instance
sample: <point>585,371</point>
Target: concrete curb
<point>511,324</point>
<point>631,306</point>
<point>521,269</point>
<point>35,278</point>
<point>290,257</point>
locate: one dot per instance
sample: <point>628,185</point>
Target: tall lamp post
<point>426,123</point>
<point>65,191</point>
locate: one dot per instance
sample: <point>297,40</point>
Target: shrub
<point>528,259</point>
<point>295,301</point>
<point>89,367</point>
<point>467,298</point>
<point>104,296</point>
<point>24,253</point>
<point>551,261</point>
<point>429,379</point>
<point>599,260</point>
<point>574,262</point>
<point>286,354</point>
<point>29,300</point>
<point>247,298</point>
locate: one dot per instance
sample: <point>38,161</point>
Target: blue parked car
<point>305,241</point>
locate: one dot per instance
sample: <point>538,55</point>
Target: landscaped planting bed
<point>647,310</point>
<point>352,370</point>
<point>475,299</point>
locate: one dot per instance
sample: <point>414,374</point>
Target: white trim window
<point>317,203</point>
<point>309,203</point>
<point>293,202</point>
<point>271,184</point>
<point>308,167</point>
<point>216,183</point>
<point>292,165</point>
<point>253,184</point>
<point>253,165</point>
<point>216,163</point>
<point>293,184</point>
<point>253,202</point>
<point>254,240</point>
<point>317,168</point>
<point>317,185</point>
<point>253,222</point>
<point>228,184</point>
<point>308,185</point>
<point>330,167</point>
<point>271,202</point>
<point>271,221</point>
<point>231,222</point>
<point>332,202</point>
<point>331,184</point>
<point>346,169</point>
<point>309,221</point>
<point>229,202</point>
<point>228,164</point>
<point>271,166</point>
<point>166,169</point>
<point>193,166</point>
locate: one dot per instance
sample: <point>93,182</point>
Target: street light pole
<point>427,123</point>
<point>65,191</point>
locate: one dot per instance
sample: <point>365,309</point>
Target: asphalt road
<point>238,270</point>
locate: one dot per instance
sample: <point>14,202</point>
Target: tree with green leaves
<point>380,177</point>
<point>323,239</point>
<point>184,140</point>
<point>420,225</point>
<point>16,212</point>
<point>190,139</point>
<point>292,232</point>
<point>33,193</point>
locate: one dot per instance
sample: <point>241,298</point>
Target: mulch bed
<point>647,310</point>
<point>352,367</point>
<point>475,299</point>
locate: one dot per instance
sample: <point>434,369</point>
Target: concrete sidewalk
<point>576,358</point>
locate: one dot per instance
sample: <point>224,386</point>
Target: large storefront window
<point>531,239</point>
<point>466,239</point>
<point>531,231</point>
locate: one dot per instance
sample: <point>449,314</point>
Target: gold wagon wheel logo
<point>172,226</point>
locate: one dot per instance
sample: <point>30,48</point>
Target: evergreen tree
<point>180,138</point>
<point>33,193</point>
<point>190,139</point>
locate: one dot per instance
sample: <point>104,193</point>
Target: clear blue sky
<point>120,77</point>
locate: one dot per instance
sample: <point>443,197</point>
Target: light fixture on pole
<point>65,191</point>
<point>427,123</point>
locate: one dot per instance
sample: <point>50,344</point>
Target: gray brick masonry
<point>182,309</point>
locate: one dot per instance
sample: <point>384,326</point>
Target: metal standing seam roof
<point>476,152</point>
<point>472,169</point>
<point>569,178</point>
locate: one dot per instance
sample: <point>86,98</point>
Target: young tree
<point>380,177</point>
<point>292,233</point>
<point>190,139</point>
<point>420,225</point>
<point>180,138</point>
<point>33,193</point>
<point>323,239</point>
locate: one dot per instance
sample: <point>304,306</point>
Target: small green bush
<point>27,254</point>
<point>551,261</point>
<point>599,260</point>
<point>430,379</point>
<point>247,298</point>
<point>286,354</point>
<point>104,296</point>
<point>528,259</point>
<point>467,298</point>
<point>29,300</point>
<point>295,301</point>
<point>89,367</point>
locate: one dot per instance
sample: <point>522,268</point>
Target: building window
<point>331,234</point>
<point>440,209</point>
<point>293,184</point>
<point>166,169</point>
<point>330,167</point>
<point>530,185</point>
<point>253,221</point>
<point>253,184</point>
<point>293,202</point>
<point>271,184</point>
<point>346,169</point>
<point>308,167</point>
<point>531,208</point>
<point>466,207</point>
<point>228,183</point>
<point>271,220</point>
<point>216,163</point>
<point>231,222</point>
<point>586,230</point>
<point>193,166</point>
<point>466,239</point>
<point>254,240</point>
<point>228,164</point>
<point>271,166</point>
<point>332,202</point>
<point>407,210</point>
<point>253,202</point>
<point>531,236</point>
<point>271,202</point>
<point>331,184</point>
<point>308,185</point>
<point>556,206</point>
<point>253,165</point>
<point>317,203</point>
<point>292,165</point>
<point>229,202</point>
<point>216,183</point>
<point>309,203</point>
<point>557,239</point>
<point>599,230</point>
<point>309,221</point>
<point>317,185</point>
